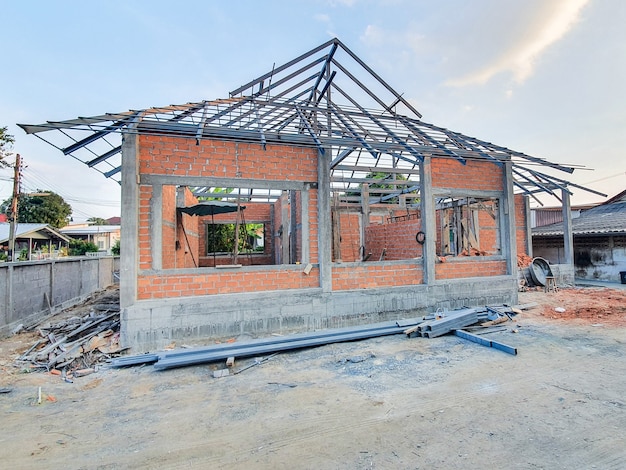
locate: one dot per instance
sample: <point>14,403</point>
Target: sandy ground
<point>385,403</point>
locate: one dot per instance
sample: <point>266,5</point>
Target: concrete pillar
<point>129,243</point>
<point>324,224</point>
<point>429,224</point>
<point>365,217</point>
<point>568,236</point>
<point>509,247</point>
<point>305,227</point>
<point>286,224</point>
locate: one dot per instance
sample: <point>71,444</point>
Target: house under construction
<point>313,196</point>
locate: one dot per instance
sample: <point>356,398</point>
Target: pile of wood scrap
<point>76,343</point>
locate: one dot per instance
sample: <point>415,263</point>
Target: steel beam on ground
<point>261,342</point>
<point>254,350</point>
<point>485,342</point>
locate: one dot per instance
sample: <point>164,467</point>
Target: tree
<point>43,207</point>
<point>80,247</point>
<point>6,142</point>
<point>96,221</point>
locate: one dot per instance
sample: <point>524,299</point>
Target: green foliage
<point>221,237</point>
<point>115,249</point>
<point>382,176</point>
<point>96,221</point>
<point>43,207</point>
<point>6,142</point>
<point>216,191</point>
<point>80,247</point>
<point>23,256</point>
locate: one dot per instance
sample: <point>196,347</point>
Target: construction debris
<point>75,345</point>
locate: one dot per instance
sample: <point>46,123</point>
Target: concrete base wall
<point>563,274</point>
<point>31,290</point>
<point>151,325</point>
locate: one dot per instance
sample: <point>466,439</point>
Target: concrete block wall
<point>31,290</point>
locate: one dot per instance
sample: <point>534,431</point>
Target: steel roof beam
<point>97,135</point>
<point>104,156</point>
<point>377,77</point>
<point>282,67</point>
<point>321,73</point>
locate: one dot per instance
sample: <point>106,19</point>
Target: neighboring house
<point>599,241</point>
<point>35,241</point>
<point>365,214</point>
<point>103,236</point>
<point>114,221</point>
<point>541,216</point>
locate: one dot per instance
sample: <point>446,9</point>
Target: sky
<point>543,77</point>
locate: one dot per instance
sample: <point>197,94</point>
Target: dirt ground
<point>384,403</point>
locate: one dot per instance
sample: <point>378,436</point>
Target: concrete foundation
<point>151,325</point>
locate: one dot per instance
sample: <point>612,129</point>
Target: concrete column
<point>286,224</point>
<point>324,224</point>
<point>429,223</point>
<point>509,247</point>
<point>365,216</point>
<point>129,243</point>
<point>568,236</point>
<point>529,230</point>
<point>305,238</point>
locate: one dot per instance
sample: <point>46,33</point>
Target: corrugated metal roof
<point>90,230</point>
<point>603,219</point>
<point>24,230</point>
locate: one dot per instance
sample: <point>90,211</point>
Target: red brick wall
<point>163,155</point>
<point>350,236</point>
<point>469,267</point>
<point>168,229</point>
<point>398,238</point>
<point>221,159</point>
<point>521,223</point>
<point>145,254</point>
<point>488,229</point>
<point>226,282</point>
<point>187,254</point>
<point>368,276</point>
<point>476,175</point>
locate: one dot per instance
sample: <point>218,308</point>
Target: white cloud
<point>322,17</point>
<point>553,23</point>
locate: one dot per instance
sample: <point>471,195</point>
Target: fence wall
<point>33,289</point>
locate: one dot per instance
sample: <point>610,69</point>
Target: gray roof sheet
<point>602,219</point>
<point>23,231</point>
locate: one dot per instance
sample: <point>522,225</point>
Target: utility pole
<point>14,201</point>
